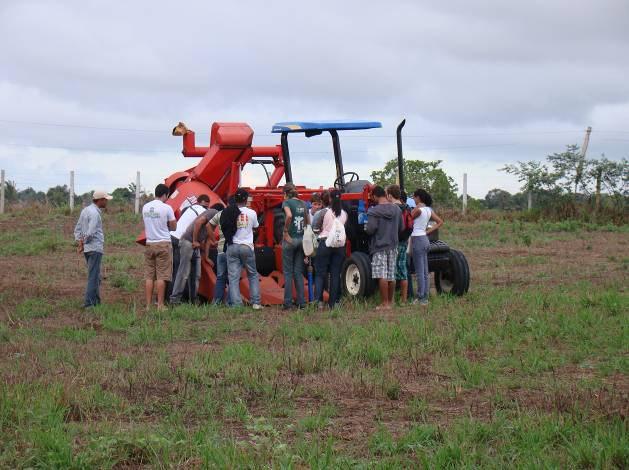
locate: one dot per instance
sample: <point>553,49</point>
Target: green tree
<point>534,176</point>
<point>570,167</point>
<point>611,176</point>
<point>419,174</point>
<point>499,199</point>
<point>10,192</point>
<point>29,196</point>
<point>122,195</point>
<point>58,195</point>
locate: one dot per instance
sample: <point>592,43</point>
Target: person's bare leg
<point>383,286</point>
<point>403,291</point>
<point>148,291</point>
<point>391,291</point>
<point>161,291</point>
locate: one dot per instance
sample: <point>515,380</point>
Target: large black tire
<point>456,279</point>
<point>356,278</point>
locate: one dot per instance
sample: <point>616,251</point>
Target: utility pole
<point>529,195</point>
<point>464,193</point>
<point>1,191</point>
<point>586,141</point>
<point>581,168</point>
<point>137,192</point>
<point>71,190</point>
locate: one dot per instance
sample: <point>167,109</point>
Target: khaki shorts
<point>158,261</point>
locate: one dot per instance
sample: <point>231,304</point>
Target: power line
<point>165,130</point>
<point>296,152</point>
<point>80,126</point>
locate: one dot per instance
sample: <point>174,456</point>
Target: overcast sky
<point>481,83</point>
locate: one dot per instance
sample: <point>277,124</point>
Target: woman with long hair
<point>422,214</point>
<point>329,260</point>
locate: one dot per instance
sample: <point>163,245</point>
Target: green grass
<point>526,371</point>
<point>33,308</point>
<point>34,242</point>
<point>77,335</point>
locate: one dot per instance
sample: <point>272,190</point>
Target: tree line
<point>565,185</point>
<point>59,196</point>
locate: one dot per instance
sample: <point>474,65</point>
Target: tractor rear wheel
<point>356,276</point>
<point>456,279</point>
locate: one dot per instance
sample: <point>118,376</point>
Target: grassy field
<point>530,369</point>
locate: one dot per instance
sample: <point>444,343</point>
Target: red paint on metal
<point>218,175</point>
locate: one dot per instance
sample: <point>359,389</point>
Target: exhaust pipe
<point>400,155</point>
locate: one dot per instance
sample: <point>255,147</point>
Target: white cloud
<point>484,83</point>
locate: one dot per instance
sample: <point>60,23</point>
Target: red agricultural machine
<point>218,175</point>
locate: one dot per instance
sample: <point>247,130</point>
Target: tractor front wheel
<point>356,276</point>
<point>456,279</point>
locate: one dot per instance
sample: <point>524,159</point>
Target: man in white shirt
<point>240,251</point>
<point>159,220</point>
<point>194,208</point>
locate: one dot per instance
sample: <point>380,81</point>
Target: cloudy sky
<point>88,87</point>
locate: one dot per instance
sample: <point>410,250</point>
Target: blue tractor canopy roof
<point>309,126</point>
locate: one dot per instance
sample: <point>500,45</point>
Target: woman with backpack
<point>420,244</point>
<point>330,256</point>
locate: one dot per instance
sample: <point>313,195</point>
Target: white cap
<point>98,194</point>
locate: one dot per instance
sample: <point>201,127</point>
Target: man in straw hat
<point>90,238</point>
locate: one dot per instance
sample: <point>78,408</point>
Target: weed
<point>76,335</point>
<point>417,409</point>
<point>33,308</point>
<point>123,281</point>
<point>5,333</point>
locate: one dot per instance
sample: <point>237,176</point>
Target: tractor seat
<point>356,186</point>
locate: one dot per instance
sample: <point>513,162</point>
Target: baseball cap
<point>98,194</point>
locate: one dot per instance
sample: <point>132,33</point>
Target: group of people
<point>174,248</point>
<point>397,226</point>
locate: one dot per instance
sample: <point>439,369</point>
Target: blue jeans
<point>92,295</point>
<point>410,268</point>
<point>238,257</point>
<point>221,277</point>
<point>180,283</point>
<point>420,246</point>
<point>193,281</point>
<point>328,260</point>
<point>293,266</point>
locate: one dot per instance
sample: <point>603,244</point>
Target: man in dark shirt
<point>383,225</point>
<point>296,218</point>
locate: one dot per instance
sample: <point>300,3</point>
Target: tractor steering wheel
<point>338,182</point>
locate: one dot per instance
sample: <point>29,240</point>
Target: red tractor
<point>218,175</point>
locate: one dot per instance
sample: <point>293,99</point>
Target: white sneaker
<point>257,307</point>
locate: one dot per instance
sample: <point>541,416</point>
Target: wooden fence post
<point>71,190</point>
<point>1,191</point>
<point>464,193</point>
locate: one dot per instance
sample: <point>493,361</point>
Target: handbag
<point>309,242</point>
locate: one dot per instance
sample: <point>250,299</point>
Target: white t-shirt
<point>186,219</point>
<point>421,222</point>
<point>247,221</point>
<point>156,216</point>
